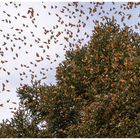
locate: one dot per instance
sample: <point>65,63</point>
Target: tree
<point>97,92</point>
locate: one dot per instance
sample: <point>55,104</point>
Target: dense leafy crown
<point>97,92</point>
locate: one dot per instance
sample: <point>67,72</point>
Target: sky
<point>26,47</point>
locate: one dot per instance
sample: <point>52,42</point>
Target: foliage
<point>97,92</point>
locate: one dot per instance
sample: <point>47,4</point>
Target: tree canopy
<point>97,92</point>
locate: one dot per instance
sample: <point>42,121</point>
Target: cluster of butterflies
<point>31,45</point>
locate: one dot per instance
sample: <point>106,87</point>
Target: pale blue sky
<point>43,20</point>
